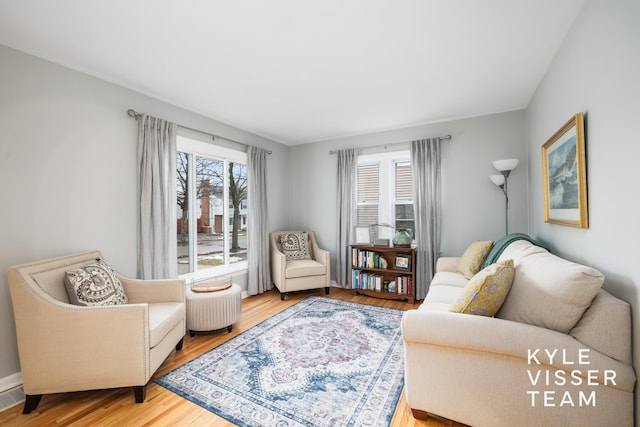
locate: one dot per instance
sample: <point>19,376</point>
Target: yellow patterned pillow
<point>486,291</point>
<point>474,257</point>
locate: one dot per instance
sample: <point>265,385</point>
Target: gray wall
<point>596,71</point>
<point>472,206</point>
<point>68,171</point>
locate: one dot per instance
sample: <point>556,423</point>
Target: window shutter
<point>368,182</point>
<point>368,178</point>
<point>404,182</point>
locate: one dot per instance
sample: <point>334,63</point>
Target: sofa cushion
<point>94,284</point>
<point>303,268</point>
<point>473,257</point>
<point>163,317</point>
<point>295,245</point>
<point>547,291</point>
<point>450,279</point>
<point>444,294</point>
<point>486,291</point>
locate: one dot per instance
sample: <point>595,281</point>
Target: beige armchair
<point>297,263</point>
<point>65,347</point>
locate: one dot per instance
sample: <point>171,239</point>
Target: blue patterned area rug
<point>320,362</point>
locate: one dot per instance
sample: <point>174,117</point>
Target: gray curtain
<point>425,161</point>
<point>157,240</point>
<point>259,276</point>
<point>346,203</point>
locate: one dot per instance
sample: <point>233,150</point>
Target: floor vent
<point>11,397</point>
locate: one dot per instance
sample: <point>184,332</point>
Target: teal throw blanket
<point>505,241</point>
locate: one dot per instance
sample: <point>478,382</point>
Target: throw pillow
<point>95,284</point>
<point>295,245</point>
<point>548,291</point>
<point>486,291</point>
<point>473,257</point>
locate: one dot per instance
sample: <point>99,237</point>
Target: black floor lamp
<point>505,167</point>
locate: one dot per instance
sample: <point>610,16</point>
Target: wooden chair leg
<point>326,290</point>
<point>281,296</point>
<point>31,402</point>
<point>140,392</point>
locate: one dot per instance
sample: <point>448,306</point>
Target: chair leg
<point>179,345</point>
<point>326,290</point>
<point>31,402</point>
<point>281,296</point>
<point>140,392</point>
<point>229,328</point>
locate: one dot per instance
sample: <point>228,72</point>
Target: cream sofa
<point>64,347</point>
<point>558,353</point>
<point>300,272</point>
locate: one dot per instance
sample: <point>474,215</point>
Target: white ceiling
<point>300,71</point>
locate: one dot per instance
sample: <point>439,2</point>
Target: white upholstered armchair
<point>65,347</point>
<point>297,263</point>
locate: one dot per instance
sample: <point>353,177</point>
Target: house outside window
<point>211,184</point>
<point>385,193</point>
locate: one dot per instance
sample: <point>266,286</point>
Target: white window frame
<point>194,146</point>
<point>387,179</point>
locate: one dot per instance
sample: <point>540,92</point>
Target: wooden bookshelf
<point>396,281</point>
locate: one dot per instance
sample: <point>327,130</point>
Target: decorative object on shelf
<point>564,173</point>
<point>362,235</point>
<point>505,166</point>
<point>380,231</point>
<point>391,286</point>
<point>402,262</point>
<point>403,238</point>
<point>381,242</point>
<point>383,263</point>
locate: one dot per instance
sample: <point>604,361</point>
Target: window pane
<point>209,196</point>
<point>182,182</point>
<point>237,212</point>
<point>405,218</point>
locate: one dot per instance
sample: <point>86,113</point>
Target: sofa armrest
<point>508,338</point>
<point>153,291</point>
<point>449,264</point>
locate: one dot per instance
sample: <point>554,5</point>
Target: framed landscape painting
<point>565,176</point>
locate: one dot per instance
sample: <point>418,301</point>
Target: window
<point>212,208</point>
<point>385,192</point>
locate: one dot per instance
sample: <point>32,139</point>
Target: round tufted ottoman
<point>208,311</point>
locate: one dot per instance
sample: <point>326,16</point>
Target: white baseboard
<point>12,381</point>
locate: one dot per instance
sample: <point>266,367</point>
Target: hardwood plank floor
<point>116,407</point>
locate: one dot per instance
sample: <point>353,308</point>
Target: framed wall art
<point>564,174</point>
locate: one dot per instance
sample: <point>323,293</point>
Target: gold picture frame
<point>564,174</point>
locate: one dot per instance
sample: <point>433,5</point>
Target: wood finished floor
<point>116,407</point>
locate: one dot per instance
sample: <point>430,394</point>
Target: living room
<point>68,163</point>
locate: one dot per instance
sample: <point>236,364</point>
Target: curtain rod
<point>441,138</point>
<point>132,113</point>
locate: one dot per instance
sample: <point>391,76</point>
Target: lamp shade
<point>497,179</point>
<point>506,164</point>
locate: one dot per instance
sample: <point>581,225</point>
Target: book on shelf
<point>374,282</point>
<point>367,281</point>
<point>363,258</point>
<point>403,284</point>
